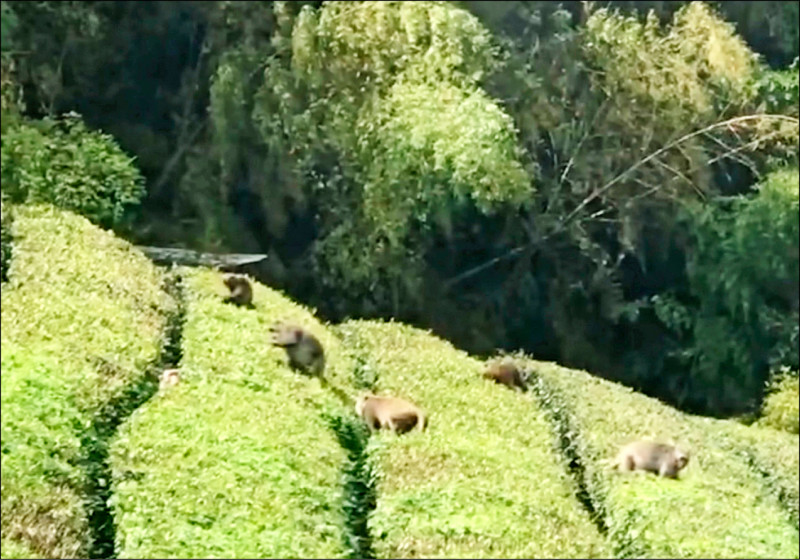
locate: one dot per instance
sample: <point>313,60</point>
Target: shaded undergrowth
<point>6,240</point>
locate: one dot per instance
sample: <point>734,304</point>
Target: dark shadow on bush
<point>6,241</point>
<point>566,440</point>
<point>359,484</point>
<point>95,443</point>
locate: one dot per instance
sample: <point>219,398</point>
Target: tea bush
<point>237,460</point>
<point>485,480</point>
<point>82,319</point>
<point>780,407</point>
<point>718,507</point>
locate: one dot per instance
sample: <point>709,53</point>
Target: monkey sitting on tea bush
<point>303,348</point>
<point>240,288</point>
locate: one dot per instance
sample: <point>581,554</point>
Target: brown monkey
<point>168,378</point>
<point>393,413</point>
<point>303,348</point>
<point>660,458</point>
<point>506,373</point>
<point>241,290</point>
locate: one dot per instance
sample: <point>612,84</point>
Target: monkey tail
<point>423,422</point>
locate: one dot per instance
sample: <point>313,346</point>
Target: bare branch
<point>700,194</point>
<point>751,144</point>
<point>581,141</point>
<point>606,187</point>
<point>185,144</point>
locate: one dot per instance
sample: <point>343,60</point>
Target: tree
<point>379,106</point>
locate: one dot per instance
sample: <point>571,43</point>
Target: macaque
<point>393,413</point>
<point>241,290</point>
<point>168,378</point>
<point>303,348</point>
<point>506,373</point>
<point>660,458</point>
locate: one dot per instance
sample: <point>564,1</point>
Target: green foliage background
<point>556,177</point>
<point>782,404</point>
<point>742,313</point>
<point>66,164</point>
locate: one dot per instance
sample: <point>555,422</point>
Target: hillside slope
<point>236,461</point>
<point>485,479</point>
<point>248,458</point>
<point>83,319</point>
<point>720,507</point>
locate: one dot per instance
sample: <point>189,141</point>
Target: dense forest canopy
<point>611,185</point>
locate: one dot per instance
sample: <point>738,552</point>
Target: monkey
<point>168,378</point>
<point>660,458</point>
<point>303,348</point>
<point>507,373</point>
<point>241,290</point>
<point>393,413</point>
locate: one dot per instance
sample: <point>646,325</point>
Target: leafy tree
<point>379,106</point>
<point>739,317</point>
<point>53,40</point>
<point>136,70</point>
<point>8,27</point>
<point>628,122</point>
<point>770,28</point>
<point>781,407</point>
<point>525,188</point>
<point>63,163</point>
<point>779,93</point>
<point>10,94</point>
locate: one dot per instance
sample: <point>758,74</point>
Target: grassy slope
<point>484,481</point>
<point>718,509</point>
<point>774,454</point>
<point>235,461</point>
<point>82,316</point>
<point>209,469</point>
